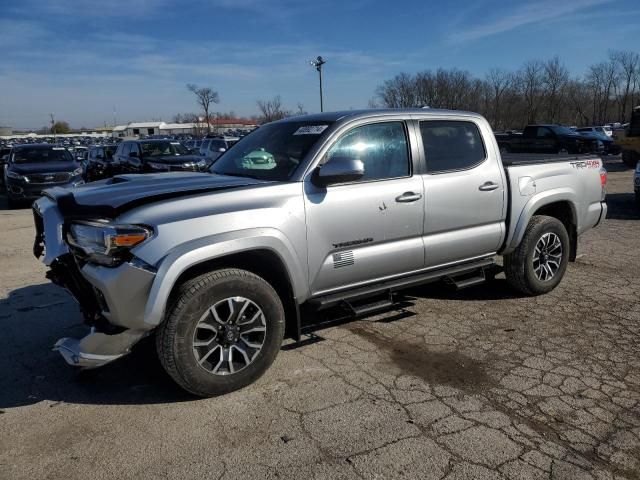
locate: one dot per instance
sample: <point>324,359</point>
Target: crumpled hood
<point>43,167</point>
<point>109,198</point>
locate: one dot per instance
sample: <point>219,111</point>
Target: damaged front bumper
<point>111,299</point>
<point>97,348</point>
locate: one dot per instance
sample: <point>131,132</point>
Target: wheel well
<point>563,212</point>
<point>265,264</point>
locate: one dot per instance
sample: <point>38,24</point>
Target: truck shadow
<point>32,319</point>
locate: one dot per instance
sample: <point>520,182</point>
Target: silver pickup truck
<point>311,212</point>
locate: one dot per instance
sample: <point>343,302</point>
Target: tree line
<point>538,92</point>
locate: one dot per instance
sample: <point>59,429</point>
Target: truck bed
<point>511,159</point>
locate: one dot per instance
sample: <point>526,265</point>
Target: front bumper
<point>22,190</point>
<point>111,299</point>
<point>96,349</point>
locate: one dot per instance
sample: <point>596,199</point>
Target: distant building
<point>6,131</point>
<point>137,129</point>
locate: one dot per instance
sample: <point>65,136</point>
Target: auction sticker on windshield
<point>311,130</point>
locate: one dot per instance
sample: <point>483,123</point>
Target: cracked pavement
<point>479,383</point>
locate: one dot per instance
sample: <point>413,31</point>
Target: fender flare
<point>534,204</point>
<point>194,252</point>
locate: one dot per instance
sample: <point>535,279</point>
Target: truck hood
<point>109,198</point>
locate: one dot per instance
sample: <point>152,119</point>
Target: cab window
<point>382,148</point>
<point>451,145</point>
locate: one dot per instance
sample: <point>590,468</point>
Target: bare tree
<point>205,96</point>
<point>271,110</point>
<point>628,65</point>
<point>301,110</point>
<point>554,79</point>
<point>499,81</point>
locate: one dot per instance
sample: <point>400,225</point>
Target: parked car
<point>604,129</point>
<point>146,156</point>
<point>193,145</point>
<point>4,158</point>
<point>356,206</point>
<point>36,167</point>
<point>608,144</point>
<point>99,163</point>
<point>546,139</point>
<point>217,146</point>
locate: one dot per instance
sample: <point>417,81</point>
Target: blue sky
<point>80,58</point>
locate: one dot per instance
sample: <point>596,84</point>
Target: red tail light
<point>603,177</point>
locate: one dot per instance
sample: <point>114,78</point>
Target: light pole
<point>318,62</point>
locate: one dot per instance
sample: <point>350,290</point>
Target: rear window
<point>39,155</point>
<point>451,145</point>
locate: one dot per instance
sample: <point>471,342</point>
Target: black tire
<point>519,265</point>
<point>175,336</point>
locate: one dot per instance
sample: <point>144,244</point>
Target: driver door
<point>369,229</point>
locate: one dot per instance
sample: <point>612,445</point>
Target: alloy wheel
<point>547,256</point>
<point>229,336</point>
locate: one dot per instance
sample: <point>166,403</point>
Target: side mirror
<point>4,159</point>
<point>338,170</point>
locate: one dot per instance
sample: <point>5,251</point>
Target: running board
<point>390,286</point>
<point>466,281</point>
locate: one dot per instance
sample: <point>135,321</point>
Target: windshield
<point>39,155</point>
<point>161,149</point>
<point>272,152</point>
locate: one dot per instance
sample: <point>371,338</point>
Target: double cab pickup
<point>304,214</point>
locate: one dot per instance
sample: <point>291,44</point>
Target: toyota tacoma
<point>305,214</point>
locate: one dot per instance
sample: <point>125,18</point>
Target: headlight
<point>158,166</point>
<point>15,175</point>
<point>106,244</point>
<point>200,164</point>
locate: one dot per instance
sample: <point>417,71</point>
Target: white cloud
<point>529,14</point>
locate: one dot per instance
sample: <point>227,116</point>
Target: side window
<point>134,148</point>
<point>126,149</point>
<point>544,132</point>
<point>92,154</point>
<point>382,147</point>
<point>451,145</point>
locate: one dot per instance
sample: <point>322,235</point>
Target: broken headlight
<point>104,243</point>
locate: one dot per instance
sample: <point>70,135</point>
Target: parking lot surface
<point>479,383</point>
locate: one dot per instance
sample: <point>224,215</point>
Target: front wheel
<point>538,264</point>
<point>222,332</point>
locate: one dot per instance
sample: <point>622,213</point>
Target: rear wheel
<point>222,333</point>
<point>538,264</point>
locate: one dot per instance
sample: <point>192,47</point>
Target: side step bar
<point>390,286</point>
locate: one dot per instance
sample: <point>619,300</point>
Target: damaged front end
<point>111,298</point>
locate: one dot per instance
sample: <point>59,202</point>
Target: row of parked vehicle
<point>31,168</point>
<point>559,139</point>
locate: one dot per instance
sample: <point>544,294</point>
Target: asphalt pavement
<point>479,383</point>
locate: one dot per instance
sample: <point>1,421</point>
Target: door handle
<point>488,186</point>
<point>408,197</point>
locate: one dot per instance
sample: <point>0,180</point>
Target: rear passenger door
<point>370,229</point>
<point>464,190</point>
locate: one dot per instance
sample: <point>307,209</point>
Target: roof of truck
<point>370,112</point>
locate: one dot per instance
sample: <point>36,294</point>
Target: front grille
<point>47,178</point>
